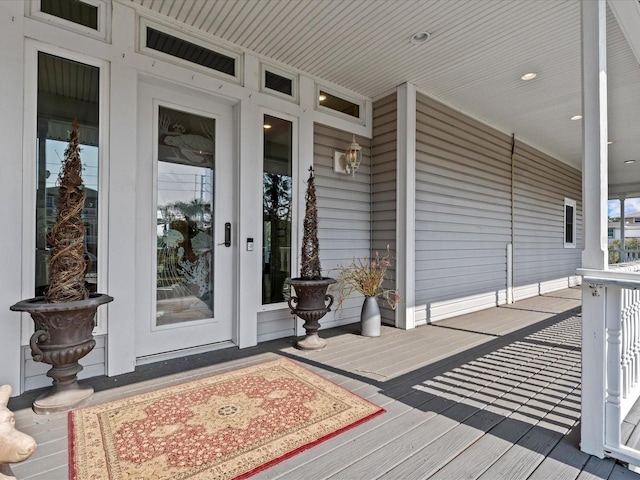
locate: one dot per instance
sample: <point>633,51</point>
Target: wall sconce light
<point>349,161</point>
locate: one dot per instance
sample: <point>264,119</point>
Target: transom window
<point>87,17</point>
<point>337,103</point>
<point>72,10</point>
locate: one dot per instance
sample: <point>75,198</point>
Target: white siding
<point>463,213</point>
<point>383,185</point>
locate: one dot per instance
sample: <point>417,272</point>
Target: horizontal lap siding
<point>463,212</point>
<point>541,183</point>
<point>384,186</point>
<point>344,225</point>
<point>344,213</point>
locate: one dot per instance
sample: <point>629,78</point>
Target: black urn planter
<point>63,335</point>
<point>310,306</point>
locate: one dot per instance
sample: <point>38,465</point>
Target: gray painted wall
<point>344,226</point>
<point>541,262</point>
<point>383,185</point>
<point>463,215</point>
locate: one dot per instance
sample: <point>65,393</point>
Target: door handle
<point>227,235</point>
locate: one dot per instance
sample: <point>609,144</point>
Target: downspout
<point>513,207</point>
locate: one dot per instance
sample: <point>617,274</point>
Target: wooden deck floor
<point>489,395</point>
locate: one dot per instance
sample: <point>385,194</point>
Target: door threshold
<point>161,357</point>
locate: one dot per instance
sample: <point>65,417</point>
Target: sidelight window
<point>67,90</point>
<point>277,208</point>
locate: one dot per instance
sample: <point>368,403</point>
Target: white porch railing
<point>619,290</point>
<point>623,255</point>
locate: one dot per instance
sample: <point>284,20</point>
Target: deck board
<point>488,395</point>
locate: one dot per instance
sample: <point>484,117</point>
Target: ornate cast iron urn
<point>310,297</point>
<point>63,335</point>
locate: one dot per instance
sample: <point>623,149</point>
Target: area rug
<point>228,426</point>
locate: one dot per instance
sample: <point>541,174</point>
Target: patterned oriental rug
<point>228,426</point>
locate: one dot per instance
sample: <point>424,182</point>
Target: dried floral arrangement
<point>367,275</point>
<point>68,264</point>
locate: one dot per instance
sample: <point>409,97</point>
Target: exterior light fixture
<point>576,117</point>
<point>322,97</point>
<point>528,76</point>
<point>629,161</point>
<point>348,162</point>
<point>420,38</point>
<point>266,126</point>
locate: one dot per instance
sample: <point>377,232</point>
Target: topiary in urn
<point>309,301</point>
<point>64,317</point>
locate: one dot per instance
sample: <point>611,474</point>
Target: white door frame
<point>156,343</point>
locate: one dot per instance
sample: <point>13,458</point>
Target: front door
<point>185,220</point>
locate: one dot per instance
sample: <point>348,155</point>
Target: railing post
<point>593,369</point>
<point>614,352</point>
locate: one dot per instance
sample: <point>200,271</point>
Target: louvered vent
<point>179,48</point>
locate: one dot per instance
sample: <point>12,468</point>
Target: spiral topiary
<point>68,265</point>
<point>310,263</point>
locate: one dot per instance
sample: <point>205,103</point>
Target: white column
<point>121,282</point>
<point>594,201</point>
<point>406,205</point>
<point>250,208</point>
<point>594,128</point>
<point>11,120</point>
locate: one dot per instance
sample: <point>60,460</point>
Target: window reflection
<point>186,146</point>
<point>59,103</point>
<point>277,209</point>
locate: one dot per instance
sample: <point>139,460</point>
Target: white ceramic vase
<point>370,319</point>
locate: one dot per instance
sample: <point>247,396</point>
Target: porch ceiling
<point>473,61</point>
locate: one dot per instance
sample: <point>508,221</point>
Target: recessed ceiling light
<point>629,161</point>
<point>529,76</point>
<point>576,117</point>
<point>609,142</point>
<point>266,126</point>
<point>322,97</point>
<point>420,37</point>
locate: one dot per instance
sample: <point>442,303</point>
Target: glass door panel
<point>185,215</point>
